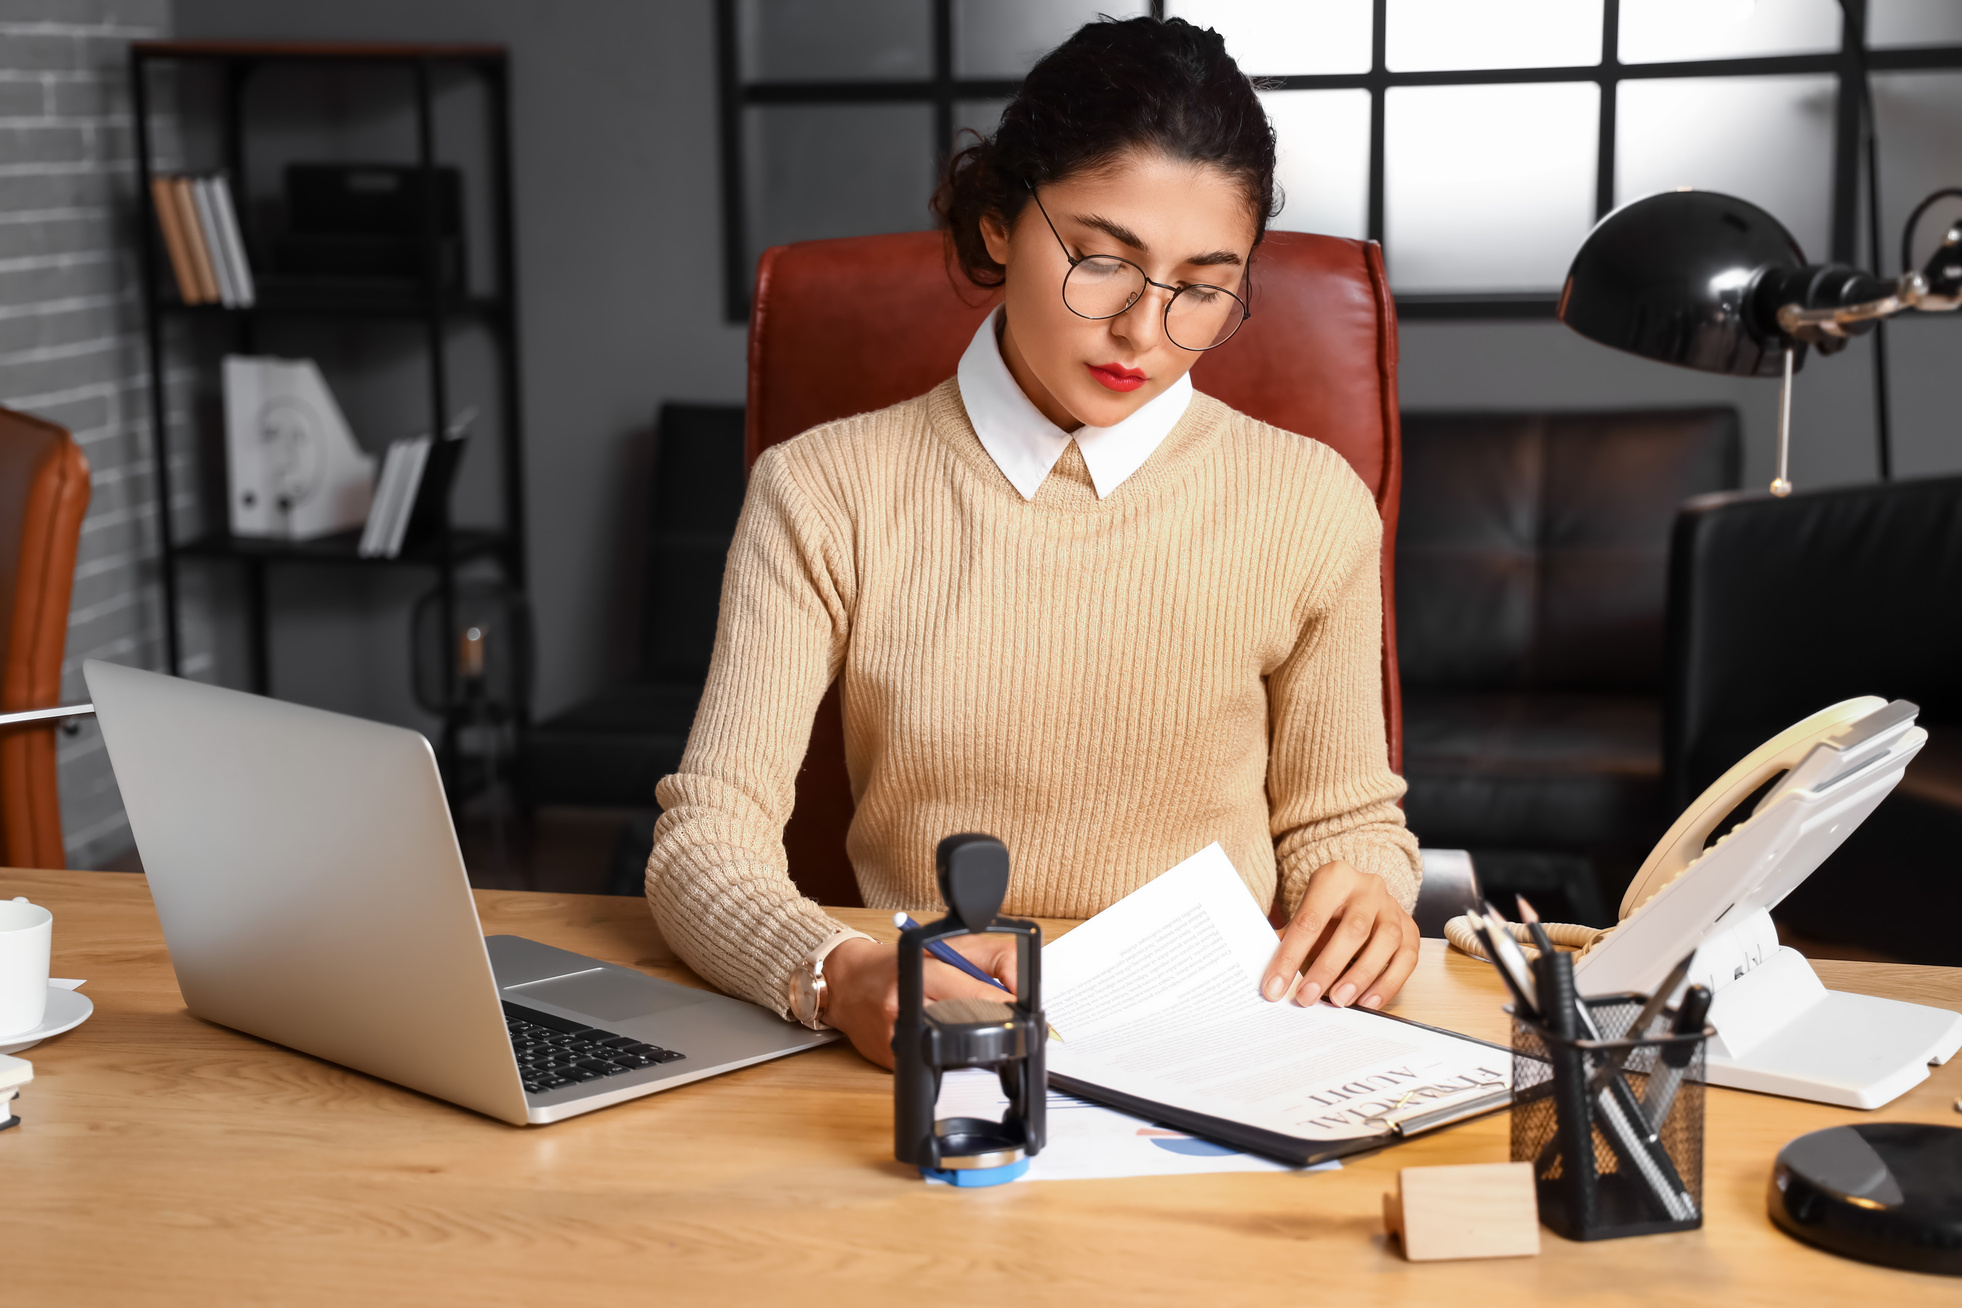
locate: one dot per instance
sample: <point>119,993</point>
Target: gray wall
<point>1530,365</point>
<point>615,158</point>
<point>71,348</point>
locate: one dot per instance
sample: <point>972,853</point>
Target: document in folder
<point>1157,1000</point>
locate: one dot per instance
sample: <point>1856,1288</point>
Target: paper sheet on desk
<point>1158,997</point>
<point>1087,1142</point>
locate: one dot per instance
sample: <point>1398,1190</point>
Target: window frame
<point>1851,64</point>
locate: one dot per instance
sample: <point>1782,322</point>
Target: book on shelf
<point>214,251</point>
<point>388,520</point>
<point>231,239</point>
<point>204,284</point>
<point>202,237</point>
<point>415,483</point>
<point>163,198</point>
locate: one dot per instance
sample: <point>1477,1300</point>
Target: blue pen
<point>946,953</point>
<point>954,958</point>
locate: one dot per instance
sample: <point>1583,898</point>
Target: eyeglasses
<point>1101,286</point>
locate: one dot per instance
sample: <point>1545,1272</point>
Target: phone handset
<point>1685,839</point>
<point>1684,842</point>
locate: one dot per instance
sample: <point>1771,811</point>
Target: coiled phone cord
<point>1569,935</point>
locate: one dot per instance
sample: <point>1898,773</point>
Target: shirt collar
<point>1025,445</point>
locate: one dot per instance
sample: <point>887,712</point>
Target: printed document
<point>1087,1141</point>
<point>1158,997</point>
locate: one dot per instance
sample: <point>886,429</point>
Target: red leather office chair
<point>44,491</point>
<point>827,339</point>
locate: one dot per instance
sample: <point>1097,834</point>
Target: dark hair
<point>1114,86</point>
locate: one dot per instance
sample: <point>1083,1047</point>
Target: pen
<point>1523,1005</point>
<point>1569,1019</point>
<point>1565,1017</point>
<point>1668,1079</point>
<point>953,958</point>
<point>1639,1029</point>
<point>1506,953</point>
<point>1541,941</point>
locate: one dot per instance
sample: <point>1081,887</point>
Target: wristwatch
<point>807,984</point>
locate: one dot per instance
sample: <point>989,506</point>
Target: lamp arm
<point>1914,220</point>
<point>1911,292</point>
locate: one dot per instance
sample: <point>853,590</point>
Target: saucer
<point>66,1011</point>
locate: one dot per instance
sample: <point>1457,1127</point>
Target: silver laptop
<point>312,893</point>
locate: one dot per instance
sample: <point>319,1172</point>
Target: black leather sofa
<point>1531,583</point>
<point>609,750</point>
<point>1781,607</point>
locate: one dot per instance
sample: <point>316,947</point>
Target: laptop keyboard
<point>555,1052</point>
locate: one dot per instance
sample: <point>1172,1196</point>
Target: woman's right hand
<point>862,986</point>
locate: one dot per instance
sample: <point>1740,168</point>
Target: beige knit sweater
<point>1106,685</point>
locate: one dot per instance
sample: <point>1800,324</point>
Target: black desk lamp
<point>1712,282</point>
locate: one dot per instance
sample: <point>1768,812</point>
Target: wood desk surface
<point>166,1160</point>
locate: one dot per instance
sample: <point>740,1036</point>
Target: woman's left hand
<point>1363,944</point>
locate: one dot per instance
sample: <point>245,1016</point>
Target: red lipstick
<point>1116,376</point>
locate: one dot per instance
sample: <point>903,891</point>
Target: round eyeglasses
<point>1099,286</point>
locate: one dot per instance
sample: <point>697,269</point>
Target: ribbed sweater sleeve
<point>718,880</point>
<point>1331,793</point>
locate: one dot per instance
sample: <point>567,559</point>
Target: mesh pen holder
<point>1613,1127</point>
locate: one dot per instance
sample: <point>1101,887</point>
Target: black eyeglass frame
<point>1245,311</point>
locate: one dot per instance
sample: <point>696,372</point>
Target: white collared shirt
<point>1025,445</point>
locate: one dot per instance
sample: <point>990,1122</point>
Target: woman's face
<point>1181,222</point>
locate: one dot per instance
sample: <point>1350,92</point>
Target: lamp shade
<point>1671,277</point>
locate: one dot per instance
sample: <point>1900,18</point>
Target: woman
<point>1073,603</point>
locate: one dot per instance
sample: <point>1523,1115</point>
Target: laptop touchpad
<point>615,996</point>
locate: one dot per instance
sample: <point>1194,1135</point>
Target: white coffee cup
<point>26,931</point>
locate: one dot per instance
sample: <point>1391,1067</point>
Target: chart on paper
<point>1087,1142</point>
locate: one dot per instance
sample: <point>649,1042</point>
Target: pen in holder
<point>1008,1037</point>
<point>1613,1126</point>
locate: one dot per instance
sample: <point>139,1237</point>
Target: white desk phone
<point>1779,1030</point>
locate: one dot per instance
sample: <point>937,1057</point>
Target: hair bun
<point>1113,86</point>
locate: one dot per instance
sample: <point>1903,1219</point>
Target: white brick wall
<point>71,343</point>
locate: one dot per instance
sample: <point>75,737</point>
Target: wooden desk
<point>165,1160</point>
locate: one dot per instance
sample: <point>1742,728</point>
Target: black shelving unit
<point>437,308</point>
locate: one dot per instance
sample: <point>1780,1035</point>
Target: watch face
<point>804,996</point>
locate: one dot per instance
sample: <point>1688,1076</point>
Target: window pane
<point>1914,22</point>
<point>1656,31</point>
<point>1775,146</point>
<point>837,170</point>
<point>981,115</point>
<point>1004,38</point>
<point>821,40</point>
<point>1436,34</point>
<point>1300,37</point>
<point>1920,152</point>
<point>1323,169</point>
<point>1488,188</point>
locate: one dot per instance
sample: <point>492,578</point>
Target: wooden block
<point>1484,1210</point>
